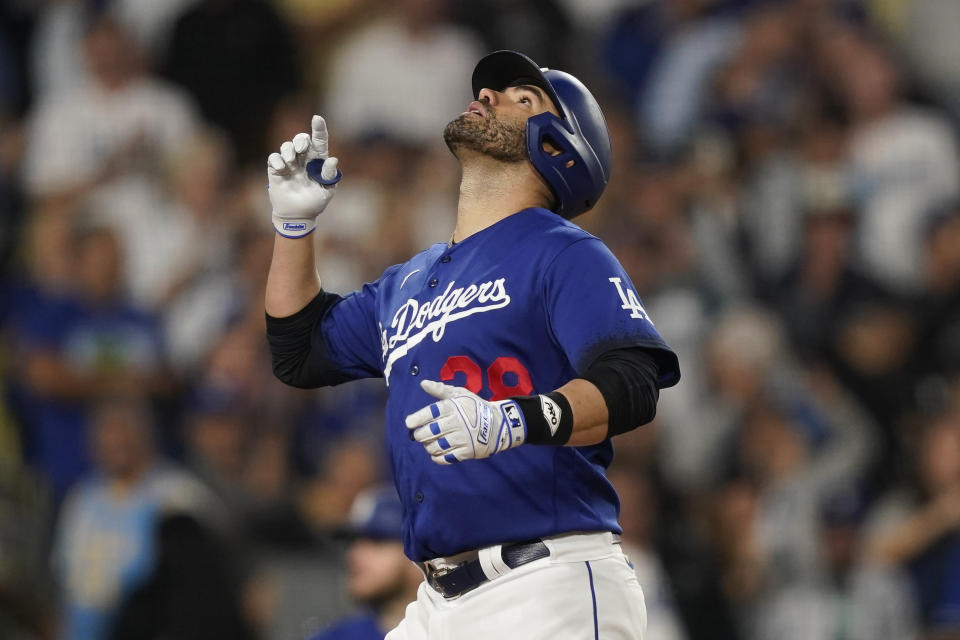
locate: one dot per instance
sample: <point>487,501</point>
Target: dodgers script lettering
<point>415,320</point>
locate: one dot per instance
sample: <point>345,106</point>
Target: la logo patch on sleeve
<point>630,301</point>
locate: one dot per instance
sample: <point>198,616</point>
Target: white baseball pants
<point>585,590</point>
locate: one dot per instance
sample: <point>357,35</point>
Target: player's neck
<point>490,191</point>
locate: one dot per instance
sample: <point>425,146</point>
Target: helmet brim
<point>499,69</point>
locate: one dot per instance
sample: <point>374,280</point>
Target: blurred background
<point>784,197</point>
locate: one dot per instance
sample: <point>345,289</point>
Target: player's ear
<point>552,147</point>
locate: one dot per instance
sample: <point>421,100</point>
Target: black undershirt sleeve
<point>298,352</point>
<point>627,379</point>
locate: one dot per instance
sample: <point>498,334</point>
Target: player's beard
<point>505,141</point>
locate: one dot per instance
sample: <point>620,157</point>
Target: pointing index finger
<point>319,135</point>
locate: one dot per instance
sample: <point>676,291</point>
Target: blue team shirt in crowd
<point>363,626</point>
<point>86,338</point>
<point>518,308</point>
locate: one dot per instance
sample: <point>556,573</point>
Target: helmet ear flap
<point>572,152</point>
<point>562,157</point>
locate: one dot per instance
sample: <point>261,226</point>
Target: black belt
<point>469,575</point>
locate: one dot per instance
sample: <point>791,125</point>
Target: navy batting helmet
<point>579,173</point>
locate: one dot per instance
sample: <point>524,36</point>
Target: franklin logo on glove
<point>483,436</point>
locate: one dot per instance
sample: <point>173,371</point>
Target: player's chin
<point>457,136</point>
<point>491,148</point>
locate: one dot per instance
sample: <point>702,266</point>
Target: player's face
<point>496,123</point>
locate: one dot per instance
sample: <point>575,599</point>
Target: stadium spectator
<point>380,578</point>
<point>931,48</point>
<point>823,285</point>
<point>107,138</point>
<point>170,248</point>
<point>672,101</point>
<point>75,348</point>
<point>215,436</point>
<point>215,297</point>
<point>227,52</point>
<point>851,600</point>
<point>797,452</point>
<point>105,534</point>
<point>638,513</point>
<point>377,80</point>
<point>541,25</point>
<point>54,65</point>
<point>937,310</point>
<point>903,158</point>
<point>148,21</point>
<point>195,590</point>
<point>917,527</point>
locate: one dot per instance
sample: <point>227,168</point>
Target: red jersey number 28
<point>506,376</point>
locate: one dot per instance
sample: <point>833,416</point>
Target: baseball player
<point>512,353</point>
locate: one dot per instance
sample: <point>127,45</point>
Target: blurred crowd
<point>785,197</point>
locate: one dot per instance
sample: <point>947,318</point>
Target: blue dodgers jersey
<point>518,308</point>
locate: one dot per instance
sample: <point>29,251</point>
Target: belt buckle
<point>434,577</point>
<point>433,574</point>
<point>439,573</point>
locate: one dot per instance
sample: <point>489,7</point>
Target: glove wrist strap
<point>294,227</point>
<point>548,417</point>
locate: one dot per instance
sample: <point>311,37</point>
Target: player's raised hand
<point>462,425</point>
<point>302,181</point>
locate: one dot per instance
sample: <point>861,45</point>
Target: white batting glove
<point>462,425</point>
<point>296,196</point>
